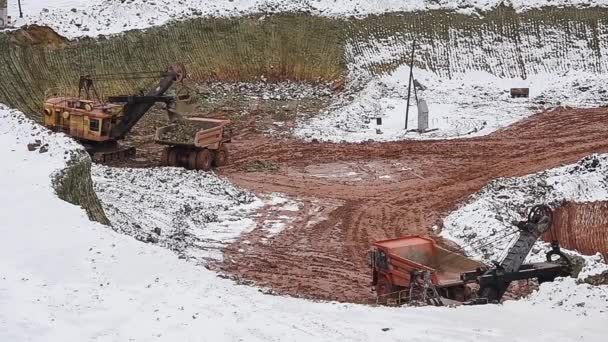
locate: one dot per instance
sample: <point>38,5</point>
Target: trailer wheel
<point>221,156</point>
<point>204,158</point>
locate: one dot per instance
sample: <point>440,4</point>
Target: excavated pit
<point>322,254</point>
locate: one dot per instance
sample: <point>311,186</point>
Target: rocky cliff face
<point>308,48</point>
<point>74,185</point>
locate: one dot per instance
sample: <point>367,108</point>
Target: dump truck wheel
<point>221,156</point>
<point>192,160</point>
<point>172,158</point>
<point>203,160</point>
<point>164,156</point>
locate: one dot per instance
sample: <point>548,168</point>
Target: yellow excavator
<point>99,124</point>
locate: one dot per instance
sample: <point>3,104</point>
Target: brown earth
<point>352,194</point>
<point>581,226</point>
<point>38,35</point>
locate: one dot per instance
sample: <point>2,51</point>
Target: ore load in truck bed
<point>183,132</point>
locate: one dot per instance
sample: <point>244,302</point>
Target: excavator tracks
<point>103,157</point>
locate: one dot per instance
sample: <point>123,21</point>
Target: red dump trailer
<point>398,265</point>
<point>415,270</point>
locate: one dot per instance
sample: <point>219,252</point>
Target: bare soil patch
<point>384,190</point>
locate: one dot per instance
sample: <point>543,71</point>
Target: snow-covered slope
<point>468,105</point>
<point>65,278</point>
<point>193,213</point>
<point>74,18</point>
<point>467,90</point>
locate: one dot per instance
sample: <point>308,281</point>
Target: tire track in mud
<point>427,180</point>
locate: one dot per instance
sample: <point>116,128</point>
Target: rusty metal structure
<point>100,123</point>
<point>414,269</point>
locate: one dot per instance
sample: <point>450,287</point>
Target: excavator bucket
<point>174,116</point>
<point>185,101</point>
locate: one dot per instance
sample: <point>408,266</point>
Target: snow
<point>193,213</point>
<point>76,18</point>
<point>463,101</point>
<point>197,213</point>
<point>481,225</point>
<point>276,220</point>
<point>467,105</point>
<point>60,148</point>
<point>565,294</point>
<point>65,278</point>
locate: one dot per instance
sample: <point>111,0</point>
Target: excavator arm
<point>136,106</point>
<point>493,283</point>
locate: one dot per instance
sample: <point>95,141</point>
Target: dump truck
<point>415,269</point>
<point>195,143</point>
<point>398,264</point>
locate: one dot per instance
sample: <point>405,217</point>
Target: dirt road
<point>353,194</point>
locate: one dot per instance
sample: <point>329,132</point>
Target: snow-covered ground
<point>463,99</point>
<point>193,213</point>
<point>75,18</point>
<point>468,105</point>
<point>65,278</point>
<point>482,224</point>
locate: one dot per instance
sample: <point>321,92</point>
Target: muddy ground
<point>354,194</point>
<point>350,195</point>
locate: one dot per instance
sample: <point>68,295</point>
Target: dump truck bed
<point>193,132</point>
<point>414,253</point>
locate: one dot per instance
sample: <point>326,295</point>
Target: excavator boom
<point>494,282</point>
<point>136,106</point>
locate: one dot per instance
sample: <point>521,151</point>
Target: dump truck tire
<point>192,164</point>
<point>164,156</point>
<point>221,156</point>
<point>172,161</point>
<point>204,158</point>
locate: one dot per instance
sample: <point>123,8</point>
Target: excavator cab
<point>81,119</point>
<point>100,123</point>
